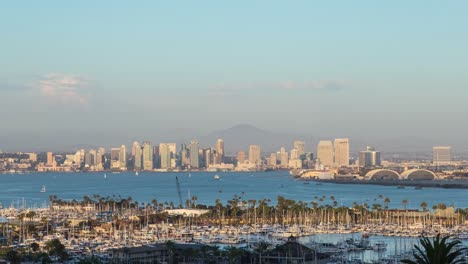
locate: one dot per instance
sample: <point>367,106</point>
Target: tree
<point>386,202</point>
<point>34,247</point>
<point>437,251</point>
<point>56,248</point>
<point>424,206</point>
<point>405,203</point>
<point>13,256</point>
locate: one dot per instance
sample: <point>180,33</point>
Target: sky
<point>105,72</point>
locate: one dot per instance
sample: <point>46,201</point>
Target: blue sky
<point>113,71</point>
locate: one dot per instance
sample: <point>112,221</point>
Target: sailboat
<point>105,176</point>
<point>136,173</point>
<point>43,189</point>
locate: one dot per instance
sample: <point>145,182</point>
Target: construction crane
<point>178,192</point>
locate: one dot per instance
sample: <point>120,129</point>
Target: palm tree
<point>386,202</point>
<point>437,251</point>
<point>405,203</point>
<point>424,206</point>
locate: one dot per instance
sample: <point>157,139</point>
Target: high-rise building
<point>218,158</point>
<point>165,154</point>
<point>283,157</point>
<point>442,155</point>
<point>93,154</point>
<point>255,154</point>
<point>156,157</point>
<point>32,157</point>
<point>115,158</point>
<point>272,161</point>
<point>147,156</point>
<point>240,157</point>
<point>295,154</point>
<point>208,157</point>
<point>325,153</point>
<point>369,158</point>
<point>194,152</point>
<point>184,155</point>
<point>137,154</point>
<point>50,158</point>
<point>100,157</point>
<point>342,152</point>
<point>123,157</point>
<point>300,146</point>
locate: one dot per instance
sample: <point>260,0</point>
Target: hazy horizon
<point>391,74</point>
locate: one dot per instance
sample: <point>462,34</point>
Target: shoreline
<point>444,184</point>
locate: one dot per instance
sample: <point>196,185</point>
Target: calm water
<point>162,186</point>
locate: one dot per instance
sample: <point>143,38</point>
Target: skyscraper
<point>137,156</point>
<point>272,160</point>
<point>123,157</point>
<point>50,158</point>
<point>342,152</point>
<point>295,154</point>
<point>241,157</point>
<point>369,158</point>
<point>442,155</point>
<point>147,156</point>
<point>255,154</point>
<point>194,151</point>
<point>94,158</point>
<point>208,157</point>
<point>165,154</point>
<point>219,151</point>
<point>184,155</point>
<point>115,158</point>
<point>100,157</point>
<point>300,146</point>
<point>325,153</point>
<point>283,157</point>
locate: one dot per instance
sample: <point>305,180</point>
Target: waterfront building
<point>369,158</point>
<point>342,152</point>
<point>219,157</point>
<point>147,156</point>
<point>88,158</point>
<point>32,157</point>
<point>273,160</point>
<point>156,157</point>
<point>184,155</point>
<point>208,158</point>
<point>241,157</point>
<point>255,154</point>
<point>50,158</point>
<point>295,154</point>
<point>93,154</point>
<point>137,154</point>
<point>165,154</point>
<point>325,153</point>
<point>442,155</point>
<point>123,157</point>
<point>283,158</point>
<point>100,157</point>
<point>300,146</point>
<point>115,158</point>
<point>194,152</point>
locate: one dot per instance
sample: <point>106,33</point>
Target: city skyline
<point>327,69</point>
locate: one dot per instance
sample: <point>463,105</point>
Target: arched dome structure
<point>382,174</point>
<point>418,174</point>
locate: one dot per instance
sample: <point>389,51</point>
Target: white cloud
<point>64,88</point>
